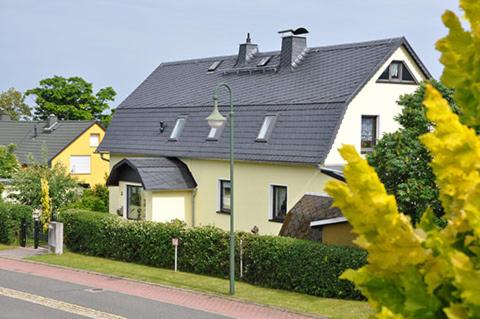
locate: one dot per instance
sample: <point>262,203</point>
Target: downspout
<point>103,158</point>
<point>194,195</point>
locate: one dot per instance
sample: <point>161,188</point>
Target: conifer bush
<point>426,271</point>
<point>10,219</point>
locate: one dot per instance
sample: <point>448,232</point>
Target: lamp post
<point>216,120</point>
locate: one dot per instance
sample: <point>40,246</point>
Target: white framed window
<point>224,196</point>
<point>177,129</point>
<point>369,133</point>
<point>278,198</point>
<point>397,72</point>
<point>212,133</point>
<point>94,139</point>
<point>266,128</point>
<point>80,164</point>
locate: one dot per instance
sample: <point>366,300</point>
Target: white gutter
<point>329,221</point>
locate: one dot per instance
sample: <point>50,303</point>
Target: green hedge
<point>276,262</point>
<point>10,218</point>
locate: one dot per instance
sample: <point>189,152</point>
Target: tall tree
<point>12,103</point>
<point>8,161</point>
<point>71,99</point>
<point>401,160</point>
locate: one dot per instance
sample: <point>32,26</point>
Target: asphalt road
<point>25,296</point>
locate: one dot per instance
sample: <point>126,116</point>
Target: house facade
<point>293,109</point>
<point>71,143</point>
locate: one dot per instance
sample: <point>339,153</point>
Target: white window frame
<point>377,130</point>
<point>219,194</point>
<point>178,128</point>
<point>97,135</point>
<point>270,200</point>
<point>267,129</point>
<point>83,172</point>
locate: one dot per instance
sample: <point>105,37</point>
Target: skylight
<point>215,133</point>
<point>264,61</point>
<point>177,130</point>
<point>214,65</point>
<point>266,128</point>
<point>212,133</point>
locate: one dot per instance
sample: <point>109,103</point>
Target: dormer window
<point>266,129</point>
<point>178,128</point>
<point>396,72</point>
<point>214,65</point>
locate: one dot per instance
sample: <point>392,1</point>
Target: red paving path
<point>179,297</point>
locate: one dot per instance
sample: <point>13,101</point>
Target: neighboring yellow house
<point>71,143</point>
<point>293,109</point>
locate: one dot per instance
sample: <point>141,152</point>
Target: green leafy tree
<point>71,99</point>
<point>26,186</point>
<point>12,103</point>
<point>424,271</point>
<point>402,161</point>
<point>8,161</point>
<point>94,199</point>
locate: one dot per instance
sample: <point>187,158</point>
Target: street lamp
<point>216,120</point>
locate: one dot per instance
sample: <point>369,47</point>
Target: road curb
<point>206,294</point>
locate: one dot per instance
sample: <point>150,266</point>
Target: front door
<point>135,202</point>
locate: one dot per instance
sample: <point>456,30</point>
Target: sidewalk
<point>22,252</point>
<point>204,302</point>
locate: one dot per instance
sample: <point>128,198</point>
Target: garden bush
<point>10,218</point>
<point>276,262</point>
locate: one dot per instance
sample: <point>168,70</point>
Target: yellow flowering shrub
<point>46,204</point>
<point>426,271</point>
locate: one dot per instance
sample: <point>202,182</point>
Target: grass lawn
<point>5,247</point>
<point>331,308</point>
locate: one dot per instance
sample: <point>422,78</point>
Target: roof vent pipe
<point>293,46</point>
<point>246,52</point>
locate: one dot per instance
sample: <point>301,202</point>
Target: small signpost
<point>175,244</point>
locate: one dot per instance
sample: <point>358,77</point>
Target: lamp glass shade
<point>216,119</point>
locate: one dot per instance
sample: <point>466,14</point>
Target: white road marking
<point>57,304</point>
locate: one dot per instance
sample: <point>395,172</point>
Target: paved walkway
<point>22,252</point>
<point>209,303</point>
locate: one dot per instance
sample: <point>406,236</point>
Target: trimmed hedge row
<point>276,262</point>
<point>10,218</point>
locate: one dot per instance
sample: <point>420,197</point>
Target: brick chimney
<point>293,46</point>
<point>246,51</point>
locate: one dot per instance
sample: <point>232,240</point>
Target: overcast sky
<point>119,42</point>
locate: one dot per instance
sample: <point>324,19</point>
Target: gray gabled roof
<point>21,133</point>
<point>159,173</point>
<point>309,101</point>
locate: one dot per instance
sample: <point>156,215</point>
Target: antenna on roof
<point>248,38</point>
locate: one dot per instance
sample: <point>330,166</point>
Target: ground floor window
<point>225,193</point>
<point>369,133</point>
<point>279,202</point>
<point>135,207</point>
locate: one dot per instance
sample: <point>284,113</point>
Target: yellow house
<point>71,143</point>
<point>293,109</point>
